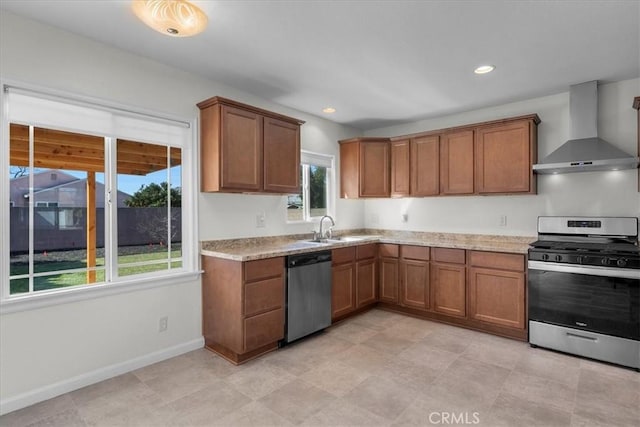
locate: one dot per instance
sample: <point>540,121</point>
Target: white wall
<point>589,193</point>
<point>42,350</point>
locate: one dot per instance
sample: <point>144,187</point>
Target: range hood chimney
<point>585,152</point>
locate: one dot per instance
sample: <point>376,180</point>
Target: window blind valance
<point>316,159</point>
<point>52,112</point>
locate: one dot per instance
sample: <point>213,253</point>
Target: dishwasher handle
<point>308,259</point>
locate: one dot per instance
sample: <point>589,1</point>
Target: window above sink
<point>317,194</point>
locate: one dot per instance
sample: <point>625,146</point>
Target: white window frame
<point>328,161</point>
<point>112,285</point>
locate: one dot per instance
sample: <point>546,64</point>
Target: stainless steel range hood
<point>585,152</point>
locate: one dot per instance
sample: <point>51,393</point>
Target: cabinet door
<point>389,280</point>
<point>263,296</point>
<point>374,169</point>
<point>497,297</point>
<point>365,282</point>
<point>349,173</point>
<point>343,290</point>
<point>414,283</point>
<point>241,150</point>
<point>503,158</point>
<point>456,163</point>
<point>281,156</point>
<point>263,329</point>
<point>448,287</point>
<point>400,166</point>
<point>425,166</point>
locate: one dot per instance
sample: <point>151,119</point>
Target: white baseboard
<point>56,389</point>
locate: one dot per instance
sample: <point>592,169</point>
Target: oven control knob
<point>580,259</point>
<point>622,262</point>
<point>605,261</point>
<point>558,258</point>
<point>545,257</point>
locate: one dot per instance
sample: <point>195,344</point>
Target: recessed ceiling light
<point>177,18</point>
<point>329,110</point>
<point>484,69</point>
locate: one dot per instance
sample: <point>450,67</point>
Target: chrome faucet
<point>322,235</point>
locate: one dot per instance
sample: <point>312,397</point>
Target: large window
<point>95,195</point>
<point>316,193</point>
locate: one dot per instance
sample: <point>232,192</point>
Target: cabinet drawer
<point>263,296</point>
<point>454,256</point>
<point>366,251</point>
<point>388,250</point>
<point>343,255</point>
<point>263,329</point>
<point>415,252</point>
<point>501,261</point>
<point>263,269</point>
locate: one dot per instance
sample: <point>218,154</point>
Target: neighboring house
<point>55,188</point>
<point>60,215</point>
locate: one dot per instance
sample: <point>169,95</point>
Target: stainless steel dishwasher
<point>308,297</point>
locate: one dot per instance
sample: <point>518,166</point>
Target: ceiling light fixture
<point>329,110</point>
<point>177,18</point>
<point>484,69</point>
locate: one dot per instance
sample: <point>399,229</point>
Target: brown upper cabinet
<point>247,149</point>
<point>484,158</point>
<point>456,162</point>
<point>425,165</point>
<point>364,168</point>
<point>400,167</point>
<point>415,166</point>
<point>504,155</point>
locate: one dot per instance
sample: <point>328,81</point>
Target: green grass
<point>57,261</point>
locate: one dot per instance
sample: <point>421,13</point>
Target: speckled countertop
<point>248,249</point>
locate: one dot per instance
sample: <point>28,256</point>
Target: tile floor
<point>377,369</point>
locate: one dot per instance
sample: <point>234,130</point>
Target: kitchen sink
<point>301,244</point>
<point>353,238</point>
<point>343,239</point>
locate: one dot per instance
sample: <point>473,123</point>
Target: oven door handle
<point>585,269</point>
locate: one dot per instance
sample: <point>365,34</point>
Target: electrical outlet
<point>261,220</point>
<point>503,221</point>
<point>405,217</point>
<point>163,325</point>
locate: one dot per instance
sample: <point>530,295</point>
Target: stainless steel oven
<point>584,289</point>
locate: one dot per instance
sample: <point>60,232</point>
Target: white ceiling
<point>379,62</point>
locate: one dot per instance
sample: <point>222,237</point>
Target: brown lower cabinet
<point>243,302</point>
<point>476,289</point>
<point>243,306</point>
<point>355,279</point>
<point>343,286</point>
<point>366,277</point>
<point>414,277</point>
<point>389,268</point>
<point>449,281</point>
<point>497,289</point>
